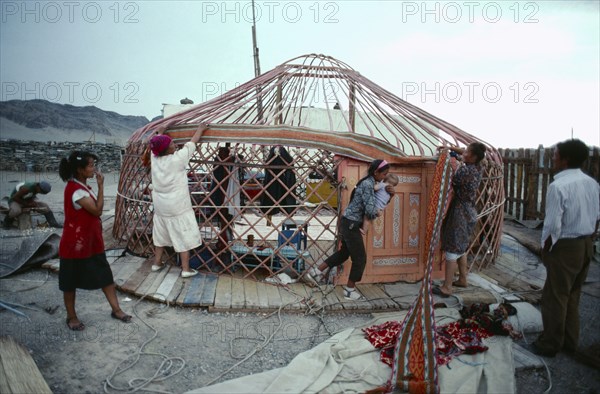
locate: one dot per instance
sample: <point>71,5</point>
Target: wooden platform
<point>230,293</point>
<point>18,372</point>
<point>217,293</point>
<point>515,276</point>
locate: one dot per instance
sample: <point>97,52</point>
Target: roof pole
<point>256,63</point>
<point>352,107</point>
<point>254,47</point>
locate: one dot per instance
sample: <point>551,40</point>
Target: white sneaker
<point>352,294</point>
<point>313,276</point>
<point>189,274</point>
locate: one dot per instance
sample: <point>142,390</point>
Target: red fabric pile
<point>464,336</point>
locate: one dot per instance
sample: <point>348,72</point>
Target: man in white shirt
<point>571,221</point>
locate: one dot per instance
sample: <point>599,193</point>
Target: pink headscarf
<point>382,164</point>
<point>159,144</point>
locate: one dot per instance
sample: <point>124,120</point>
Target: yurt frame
<point>333,122</point>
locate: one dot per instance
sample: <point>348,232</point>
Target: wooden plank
<point>519,186</point>
<point>251,295</point>
<point>316,296</point>
<point>152,290</point>
<point>184,290</point>
<point>346,304</point>
<point>533,187</point>
<point>237,293</point>
<point>331,299</point>
<point>261,294</point>
<point>273,297</point>
<point>511,183</point>
<point>377,297</point>
<point>376,294</point>
<point>288,299</point>
<point>223,293</point>
<point>547,165</point>
<point>504,153</point>
<point>528,292</point>
<point>535,276</point>
<point>299,290</point>
<point>390,302</point>
<point>136,279</point>
<point>164,289</point>
<point>129,267</point>
<point>19,373</point>
<point>152,281</point>
<point>117,265</point>
<point>208,293</point>
<point>194,293</point>
<point>178,289</point>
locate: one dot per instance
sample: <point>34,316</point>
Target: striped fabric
<point>414,369</point>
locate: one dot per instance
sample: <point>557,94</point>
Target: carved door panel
<point>395,240</point>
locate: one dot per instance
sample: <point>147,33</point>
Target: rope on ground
<point>540,358</point>
<point>258,347</point>
<point>549,376</point>
<point>166,369</point>
<point>266,340</point>
<point>312,308</point>
<point>5,306</point>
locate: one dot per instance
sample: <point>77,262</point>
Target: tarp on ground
<point>23,252</point>
<point>347,362</point>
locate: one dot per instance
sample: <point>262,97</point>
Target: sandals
<point>125,318</point>
<point>78,327</point>
<point>438,291</point>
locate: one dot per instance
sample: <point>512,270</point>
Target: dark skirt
<point>89,274</point>
<point>458,227</point>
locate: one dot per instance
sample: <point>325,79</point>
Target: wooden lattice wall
<point>311,198</point>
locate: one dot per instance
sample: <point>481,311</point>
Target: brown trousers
<point>15,208</point>
<point>566,268</point>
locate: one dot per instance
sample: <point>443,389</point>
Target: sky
<point>513,73</point>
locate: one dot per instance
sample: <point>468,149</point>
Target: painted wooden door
<point>395,240</point>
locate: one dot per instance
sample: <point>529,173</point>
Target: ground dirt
<point>208,343</point>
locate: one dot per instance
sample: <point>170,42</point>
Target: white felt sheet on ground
<point>347,362</point>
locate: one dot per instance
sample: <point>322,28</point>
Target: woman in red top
<point>83,263</point>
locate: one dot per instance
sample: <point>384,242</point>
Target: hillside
<point>41,120</point>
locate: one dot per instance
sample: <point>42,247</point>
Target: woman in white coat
<point>174,222</point>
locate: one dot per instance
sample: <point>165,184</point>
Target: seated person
<point>382,197</point>
<point>24,195</point>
